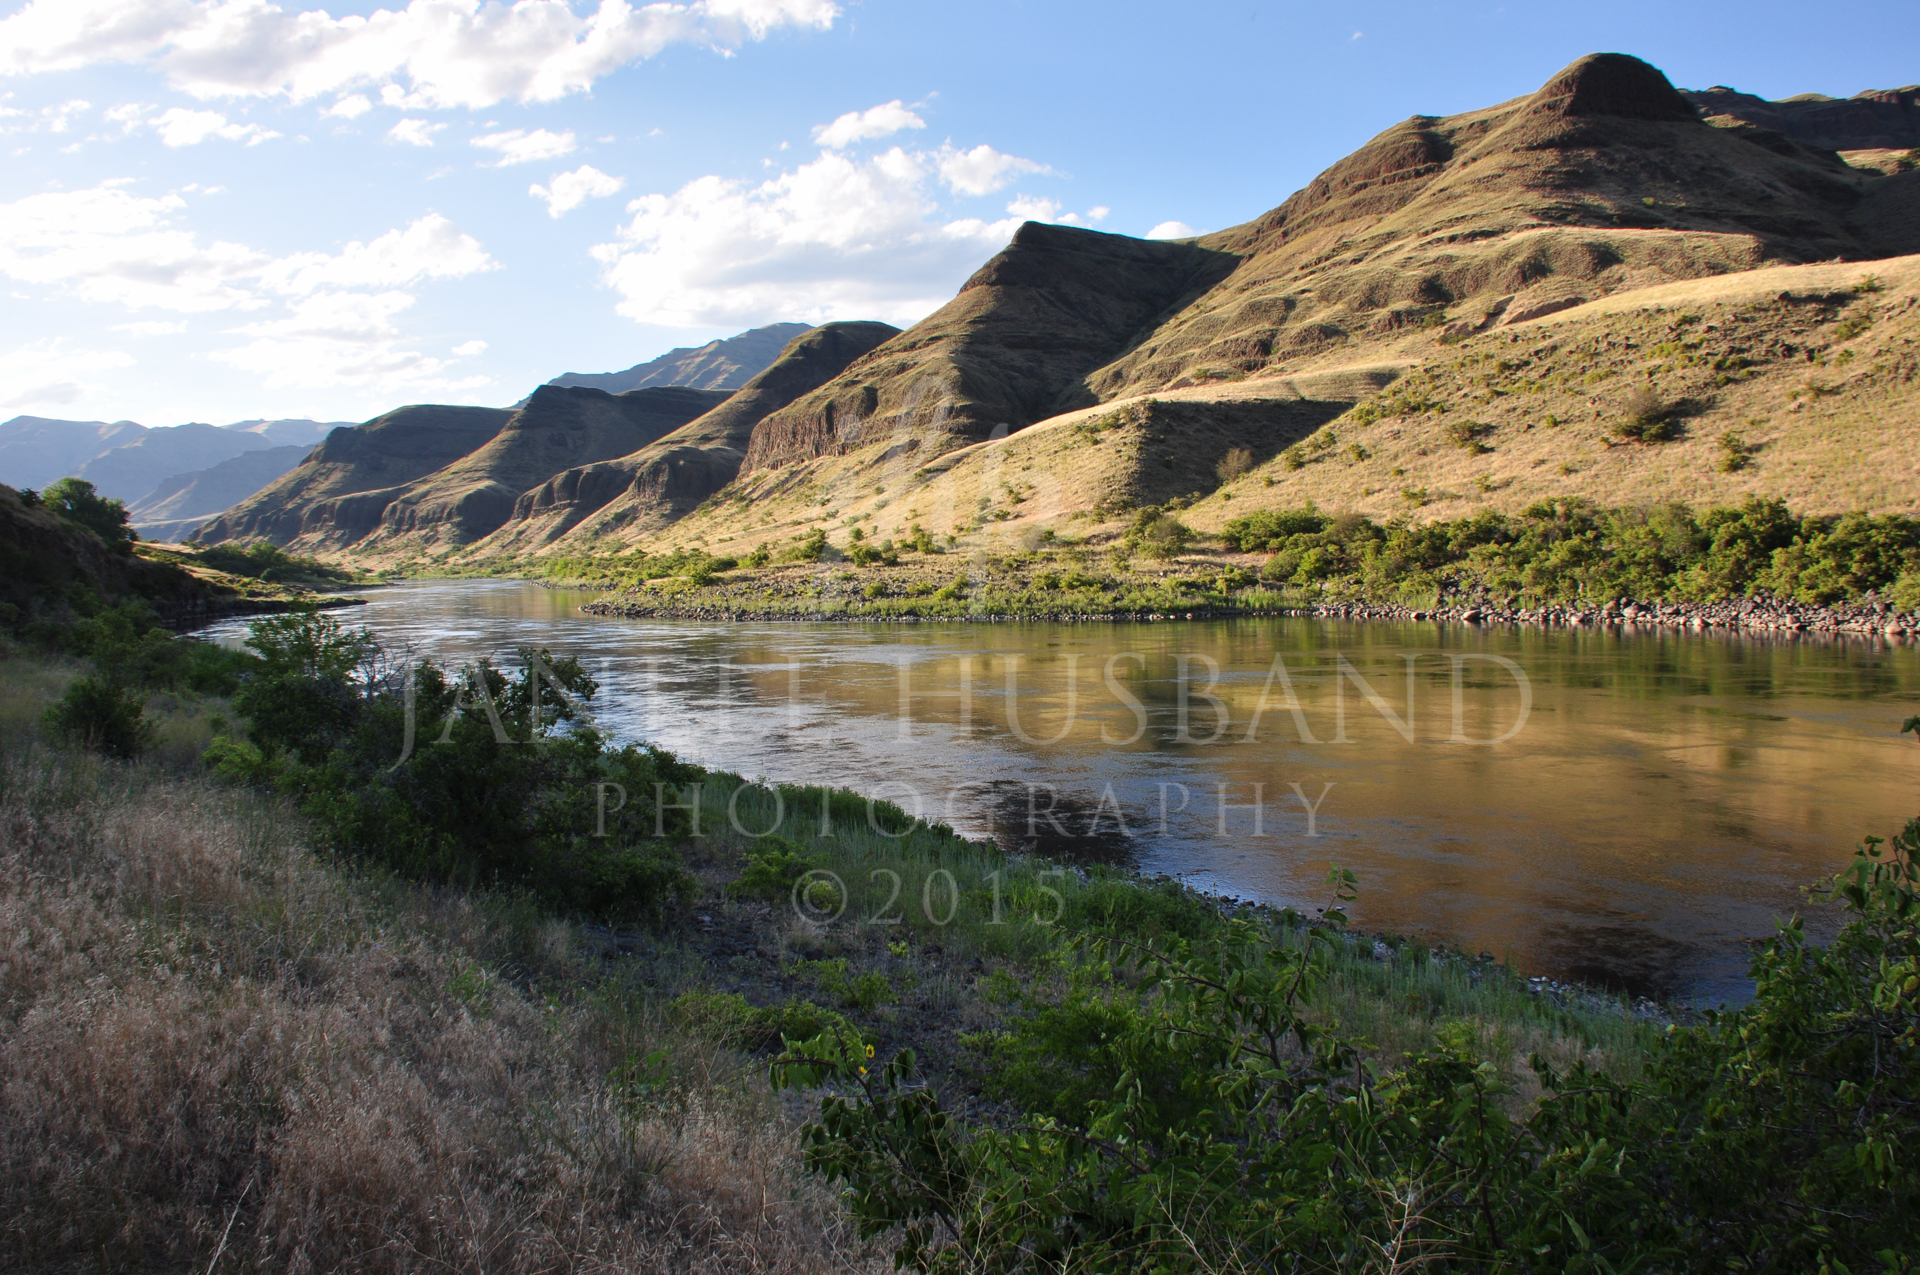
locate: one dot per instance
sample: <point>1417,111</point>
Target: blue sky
<point>220,209</point>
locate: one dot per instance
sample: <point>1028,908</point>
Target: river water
<point>1624,808</point>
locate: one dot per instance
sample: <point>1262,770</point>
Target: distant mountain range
<point>174,478</point>
<point>156,471</point>
<point>718,365</point>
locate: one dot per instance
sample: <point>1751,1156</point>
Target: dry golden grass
<point>221,1053</point>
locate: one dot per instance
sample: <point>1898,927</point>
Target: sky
<point>219,210</point>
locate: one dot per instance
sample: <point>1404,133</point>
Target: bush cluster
<point>474,777</point>
<point>1570,549</point>
<point>1186,1110</point>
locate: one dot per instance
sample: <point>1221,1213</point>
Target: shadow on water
<point>1042,819</point>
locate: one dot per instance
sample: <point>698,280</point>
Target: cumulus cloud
<point>836,238</point>
<point>859,126</point>
<point>350,107</point>
<point>45,374</point>
<point>518,146</point>
<point>467,349</point>
<point>333,324</point>
<point>450,53</point>
<point>982,170</point>
<point>181,127</point>
<point>414,132</point>
<point>569,190</point>
<point>1172,230</point>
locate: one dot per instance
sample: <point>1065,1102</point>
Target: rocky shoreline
<point>1870,618</point>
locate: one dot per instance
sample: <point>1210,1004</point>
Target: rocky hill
<point>336,496</point>
<point>558,429</point>
<point>660,483</point>
<point>726,364</point>
<point>1879,119</point>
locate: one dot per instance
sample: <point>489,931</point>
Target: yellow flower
<point>869,1051</point>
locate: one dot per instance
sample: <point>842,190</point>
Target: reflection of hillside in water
<point>1665,800</point>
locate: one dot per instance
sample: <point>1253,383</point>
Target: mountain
<point>338,493</point>
<point>560,427</point>
<point>1458,315</point>
<point>1879,119</point>
<point>37,450</point>
<point>661,482</point>
<point>172,510</point>
<point>429,478</point>
<point>288,433</point>
<point>1440,232</point>
<point>1010,349</point>
<point>718,365</point>
<point>131,470</point>
<point>127,460</point>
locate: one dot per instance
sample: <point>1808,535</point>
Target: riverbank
<point>1206,590</point>
<point>209,1073</point>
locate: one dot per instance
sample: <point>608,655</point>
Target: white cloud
<point>414,132</point>
<point>518,146</point>
<point>453,53</point>
<point>1099,212</point>
<point>467,349</point>
<point>52,119</point>
<point>430,248</point>
<point>350,107</point>
<point>181,127</point>
<point>152,327</point>
<point>858,126</point>
<point>982,170</point>
<point>570,190</point>
<point>43,374</point>
<point>335,322</point>
<point>1172,230</point>
<point>1027,208</point>
<point>833,239</point>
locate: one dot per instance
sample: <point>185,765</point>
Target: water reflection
<point>1652,804</point>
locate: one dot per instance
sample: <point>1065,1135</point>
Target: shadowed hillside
<point>337,494</point>
<point>667,479</point>
<point>560,427</point>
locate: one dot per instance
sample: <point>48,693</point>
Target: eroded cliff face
<point>658,483</point>
<point>336,496</point>
<point>1010,349</point>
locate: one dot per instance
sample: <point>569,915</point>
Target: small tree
<point>75,500</point>
<point>1235,463</point>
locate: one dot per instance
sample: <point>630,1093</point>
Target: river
<point>1630,809</point>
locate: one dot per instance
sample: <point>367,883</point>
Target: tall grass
<point>221,1052</point>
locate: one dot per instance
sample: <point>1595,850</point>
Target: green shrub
<point>1648,418</point>
<point>102,715</point>
<point>500,778</point>
<point>774,865</point>
<point>1159,535</point>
